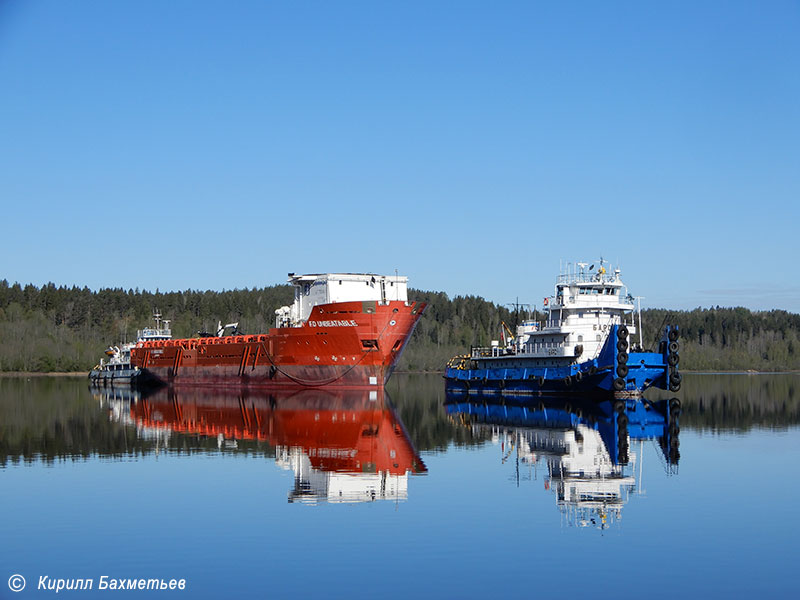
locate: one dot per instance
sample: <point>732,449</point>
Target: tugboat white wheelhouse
<point>586,344</point>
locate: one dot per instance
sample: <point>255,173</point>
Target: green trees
<point>731,339</point>
<point>66,329</point>
<point>451,327</point>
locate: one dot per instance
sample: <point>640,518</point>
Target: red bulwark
<point>345,344</point>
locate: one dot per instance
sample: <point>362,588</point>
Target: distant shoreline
<point>42,374</point>
<point>17,374</point>
<point>733,372</point>
<point>740,372</point>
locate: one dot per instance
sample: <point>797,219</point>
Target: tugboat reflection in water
<point>343,446</point>
<point>585,445</point>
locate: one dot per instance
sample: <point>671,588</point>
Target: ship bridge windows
<point>597,291</point>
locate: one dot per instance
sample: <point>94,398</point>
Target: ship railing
<point>586,278</point>
<point>492,352</point>
<point>539,325</point>
<point>150,332</point>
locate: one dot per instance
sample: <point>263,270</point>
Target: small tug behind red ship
<point>343,329</point>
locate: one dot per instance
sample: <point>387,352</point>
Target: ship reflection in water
<point>343,446</point>
<point>585,446</point>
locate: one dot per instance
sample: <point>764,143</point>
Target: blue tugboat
<point>586,345</point>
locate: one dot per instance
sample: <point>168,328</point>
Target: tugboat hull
<point>606,375</point>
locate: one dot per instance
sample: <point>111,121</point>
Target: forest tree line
<point>52,329</point>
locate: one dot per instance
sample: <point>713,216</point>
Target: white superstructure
<point>586,303</point>
<point>160,332</point>
<point>328,288</point>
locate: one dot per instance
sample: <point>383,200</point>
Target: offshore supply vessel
<point>343,329</point>
<point>584,346</point>
<point>117,369</point>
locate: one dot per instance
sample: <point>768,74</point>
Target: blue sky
<point>471,146</point>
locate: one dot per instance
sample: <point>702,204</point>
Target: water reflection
<point>56,419</point>
<point>343,446</point>
<point>723,402</point>
<point>589,450</point>
<point>71,464</point>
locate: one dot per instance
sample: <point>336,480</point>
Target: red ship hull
<point>345,344</point>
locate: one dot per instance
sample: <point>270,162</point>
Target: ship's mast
<point>639,301</point>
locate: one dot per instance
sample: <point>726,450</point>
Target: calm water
<point>415,494</point>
